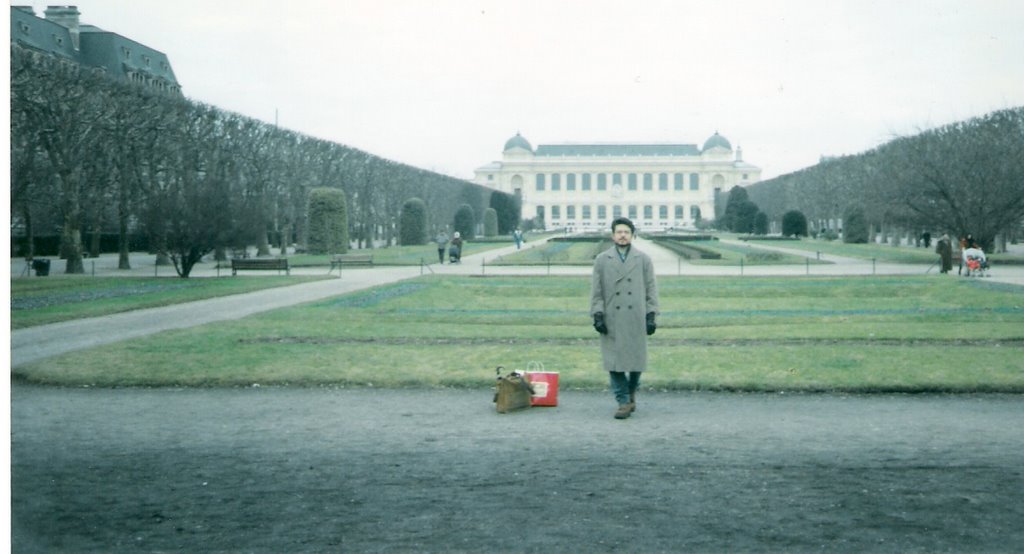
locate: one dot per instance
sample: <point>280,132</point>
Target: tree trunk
<point>285,238</point>
<point>123,249</point>
<point>262,244</point>
<point>30,235</point>
<point>95,242</point>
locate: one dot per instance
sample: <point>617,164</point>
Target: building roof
<point>518,142</point>
<point>120,57</point>
<point>717,141</point>
<point>617,150</point>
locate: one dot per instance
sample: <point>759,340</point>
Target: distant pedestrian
<point>927,239</point>
<point>517,236</point>
<point>944,248</point>
<point>964,244</point>
<point>624,305</point>
<point>441,240</point>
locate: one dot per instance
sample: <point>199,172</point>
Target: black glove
<point>599,323</point>
<point>651,326</point>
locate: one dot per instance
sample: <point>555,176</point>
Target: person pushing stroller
<point>975,260</point>
<point>455,249</point>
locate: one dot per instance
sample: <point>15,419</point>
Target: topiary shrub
<point>412,223</point>
<point>490,222</point>
<point>761,223</point>
<point>794,224</point>
<point>509,211</point>
<point>855,226</point>
<point>464,222</point>
<point>327,215</point>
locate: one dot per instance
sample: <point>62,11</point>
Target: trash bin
<point>41,267</point>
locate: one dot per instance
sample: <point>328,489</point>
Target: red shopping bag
<point>545,385</point>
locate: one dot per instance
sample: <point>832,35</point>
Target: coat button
<point>629,307</point>
<point>618,293</point>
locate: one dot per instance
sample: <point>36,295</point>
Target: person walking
<point>442,240</point>
<point>945,251</point>
<point>624,306</point>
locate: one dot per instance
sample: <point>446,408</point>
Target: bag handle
<point>535,365</point>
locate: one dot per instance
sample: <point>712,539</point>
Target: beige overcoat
<point>625,292</point>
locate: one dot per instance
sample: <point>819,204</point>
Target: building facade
<point>583,187</point>
<point>62,35</point>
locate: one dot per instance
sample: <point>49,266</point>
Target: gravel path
<point>340,470</point>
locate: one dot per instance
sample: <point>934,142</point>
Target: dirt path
<point>336,470</point>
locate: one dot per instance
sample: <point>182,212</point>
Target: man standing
<point>624,305</point>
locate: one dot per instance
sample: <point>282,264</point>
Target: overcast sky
<point>442,84</point>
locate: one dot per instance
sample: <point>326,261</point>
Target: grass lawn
<point>398,255</point>
<point>860,334</point>
<point>559,252</point>
<point>880,252</point>
<point>747,254</point>
<point>63,298</point>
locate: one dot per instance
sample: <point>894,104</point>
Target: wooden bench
<point>270,264</point>
<point>350,259</point>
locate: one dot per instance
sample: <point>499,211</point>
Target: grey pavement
<point>44,341</point>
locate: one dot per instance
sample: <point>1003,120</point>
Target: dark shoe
<point>623,411</point>
<point>632,402</point>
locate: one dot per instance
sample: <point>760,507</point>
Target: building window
<point>648,212</point>
<point>540,213</point>
<point>677,181</point>
<point>648,181</point>
<point>617,179</point>
<point>585,185</point>
<point>602,181</point>
<point>662,212</point>
<point>663,181</point>
<point>679,212</point>
<point>570,181</point>
<point>556,184</point>
<point>586,212</point>
<point>570,212</point>
<point>490,177</point>
<point>632,212</point>
<point>744,176</point>
<point>540,181</point>
<point>602,212</point>
<point>616,211</point>
<point>694,181</point>
<point>556,212</point>
<point>632,181</point>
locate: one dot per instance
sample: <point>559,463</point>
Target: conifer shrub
<point>412,222</point>
<point>328,221</point>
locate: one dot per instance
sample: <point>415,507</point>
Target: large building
<point>583,187</point>
<point>61,34</point>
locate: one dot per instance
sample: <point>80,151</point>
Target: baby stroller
<point>454,254</point>
<point>977,266</point>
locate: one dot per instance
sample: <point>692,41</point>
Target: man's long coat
<point>625,292</point>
